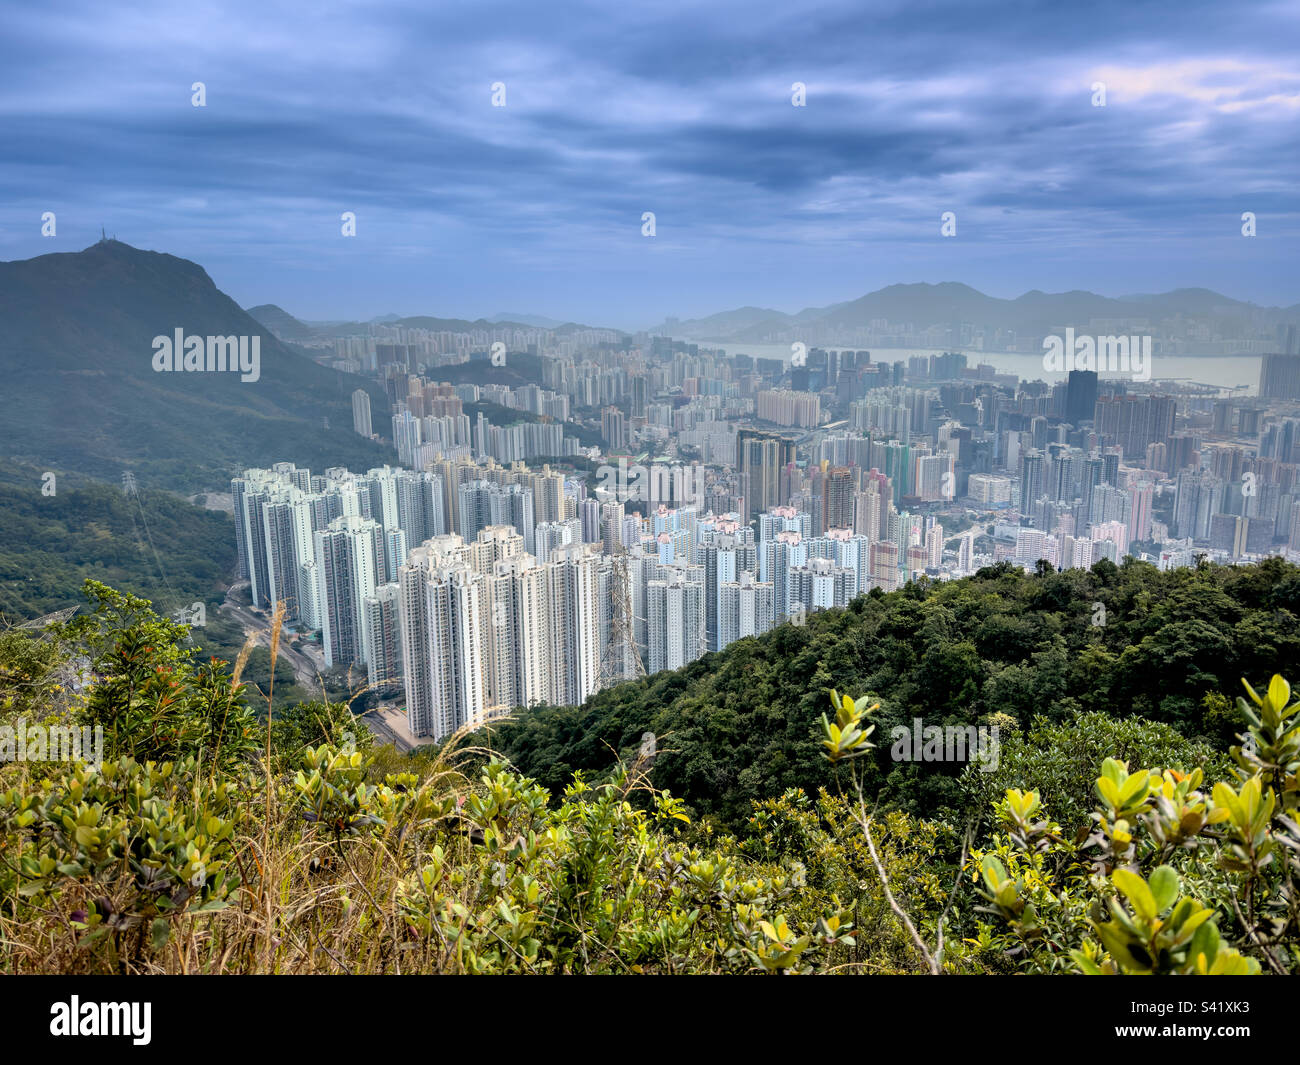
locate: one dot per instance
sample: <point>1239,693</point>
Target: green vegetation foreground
<point>210,841</point>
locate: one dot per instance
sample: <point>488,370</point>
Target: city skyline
<point>475,582</point>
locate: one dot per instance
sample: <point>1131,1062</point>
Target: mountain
<point>82,394</point>
<point>451,325</point>
<point>154,544</point>
<point>725,323</point>
<point>538,321</point>
<point>283,324</point>
<point>923,305</point>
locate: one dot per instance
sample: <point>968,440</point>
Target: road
<point>385,732</point>
<point>305,670</point>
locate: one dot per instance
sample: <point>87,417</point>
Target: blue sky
<point>682,109</point>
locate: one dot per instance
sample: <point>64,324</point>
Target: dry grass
<point>306,903</point>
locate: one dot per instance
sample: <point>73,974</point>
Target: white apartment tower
<point>442,633</point>
<point>383,636</point>
<point>746,608</point>
<point>674,621</point>
<point>574,606</point>
<point>348,555</point>
<point>361,413</point>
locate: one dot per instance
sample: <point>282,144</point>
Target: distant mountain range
<point>1035,313</point>
<point>81,392</point>
<point>917,307</point>
<point>539,321</point>
<point>287,327</point>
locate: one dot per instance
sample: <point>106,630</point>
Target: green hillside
<point>49,544</point>
<point>210,839</point>
<point>82,395</point>
<point>742,724</point>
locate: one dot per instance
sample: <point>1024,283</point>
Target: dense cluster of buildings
<point>479,587</point>
<point>495,567</point>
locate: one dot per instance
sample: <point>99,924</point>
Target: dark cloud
<point>677,108</point>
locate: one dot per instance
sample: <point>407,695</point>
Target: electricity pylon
<point>620,649</point>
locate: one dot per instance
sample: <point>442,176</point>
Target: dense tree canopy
<point>1128,640</point>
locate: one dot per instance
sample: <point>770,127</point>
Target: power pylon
<point>621,652</point>
<point>49,619</point>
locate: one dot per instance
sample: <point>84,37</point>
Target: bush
<point>206,843</point>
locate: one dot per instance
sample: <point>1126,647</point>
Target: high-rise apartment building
<point>837,498</point>
<point>1279,377</point>
<point>762,460</point>
<point>1134,422</point>
<point>483,503</point>
<point>383,631</point>
<point>674,621</point>
<point>442,632</point>
<point>575,611</point>
<point>746,607</point>
<point>349,554</point>
<point>361,413</point>
<point>1080,396</point>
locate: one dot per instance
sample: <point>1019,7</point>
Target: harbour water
<point>1222,371</point>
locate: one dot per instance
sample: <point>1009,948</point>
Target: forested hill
<point>743,724</point>
<point>83,396</point>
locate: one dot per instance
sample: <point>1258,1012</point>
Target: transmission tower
<point>621,652</point>
<point>49,619</point>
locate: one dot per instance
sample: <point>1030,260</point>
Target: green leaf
<point>1117,943</point>
<point>1136,891</point>
<point>1206,942</point>
<point>1164,885</point>
<point>1134,787</point>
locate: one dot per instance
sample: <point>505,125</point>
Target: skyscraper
<point>674,621</point>
<point>837,498</point>
<point>746,607</point>
<point>761,460</point>
<point>728,551</point>
<point>1140,512</point>
<point>1080,396</point>
<point>1279,377</point>
<point>349,555</point>
<point>361,413</point>
<point>420,511</point>
<point>575,636</point>
<point>383,636</point>
<point>520,667</point>
<point>1134,422</point>
<point>442,631</point>
<point>777,557</point>
<point>613,427</point>
<point>483,503</point>
<point>819,584</point>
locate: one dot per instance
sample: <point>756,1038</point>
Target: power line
<point>133,492</point>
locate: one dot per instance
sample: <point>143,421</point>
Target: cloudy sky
<point>682,109</point>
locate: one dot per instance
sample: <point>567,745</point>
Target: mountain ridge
<point>77,356</point>
<point>925,304</point>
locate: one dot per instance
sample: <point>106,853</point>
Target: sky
<point>685,110</point>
